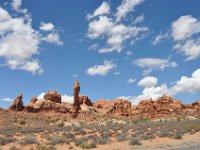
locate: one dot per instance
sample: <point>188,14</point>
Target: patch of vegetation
<point>121,137</point>
<point>6,140</point>
<point>134,141</point>
<point>87,145</point>
<point>68,135</point>
<point>55,139</point>
<point>14,148</point>
<point>44,147</point>
<point>22,122</point>
<point>29,139</point>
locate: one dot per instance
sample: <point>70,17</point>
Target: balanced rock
<point>53,96</point>
<point>18,103</point>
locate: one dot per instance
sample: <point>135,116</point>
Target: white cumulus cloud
<point>113,30</point>
<point>187,84</point>
<point>20,42</point>
<point>7,99</point>
<point>150,64</point>
<point>126,7</point>
<point>101,10</point>
<point>148,82</point>
<point>184,27</point>
<point>101,70</point>
<point>131,80</point>
<point>16,5</point>
<point>185,34</point>
<point>47,26</point>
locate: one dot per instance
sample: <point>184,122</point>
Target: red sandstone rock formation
<point>31,106</point>
<point>47,105</point>
<point>196,105</point>
<point>85,100</point>
<point>18,103</point>
<point>164,105</point>
<point>53,96</point>
<point>76,104</point>
<point>114,107</point>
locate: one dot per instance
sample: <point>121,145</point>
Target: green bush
<point>6,140</point>
<point>57,140</point>
<point>86,145</point>
<point>44,147</point>
<point>14,148</point>
<point>29,139</point>
<point>134,141</point>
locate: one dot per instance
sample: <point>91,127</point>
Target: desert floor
<point>53,131</point>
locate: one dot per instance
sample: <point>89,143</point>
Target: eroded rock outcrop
<point>85,100</point>
<point>47,105</point>
<point>164,105</point>
<point>18,103</point>
<point>31,106</point>
<point>114,107</point>
<point>196,105</point>
<point>53,96</point>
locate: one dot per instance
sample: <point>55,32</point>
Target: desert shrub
<point>61,124</point>
<point>6,140</point>
<point>14,148</point>
<point>70,147</point>
<point>68,135</point>
<point>121,137</point>
<point>177,136</point>
<point>87,145</point>
<point>147,137</point>
<point>22,122</point>
<point>81,132</point>
<point>163,133</point>
<point>134,141</point>
<point>29,139</point>
<point>79,141</point>
<point>55,139</point>
<point>44,147</point>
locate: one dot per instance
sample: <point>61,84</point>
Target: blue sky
<point>134,49</point>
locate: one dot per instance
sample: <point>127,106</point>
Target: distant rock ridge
<point>163,106</point>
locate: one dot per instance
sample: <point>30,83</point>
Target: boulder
<point>53,96</point>
<point>18,103</point>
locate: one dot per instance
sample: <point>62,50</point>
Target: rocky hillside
<point>163,106</point>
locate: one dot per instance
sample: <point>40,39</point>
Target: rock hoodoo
<point>18,103</point>
<point>76,104</point>
<point>53,96</point>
